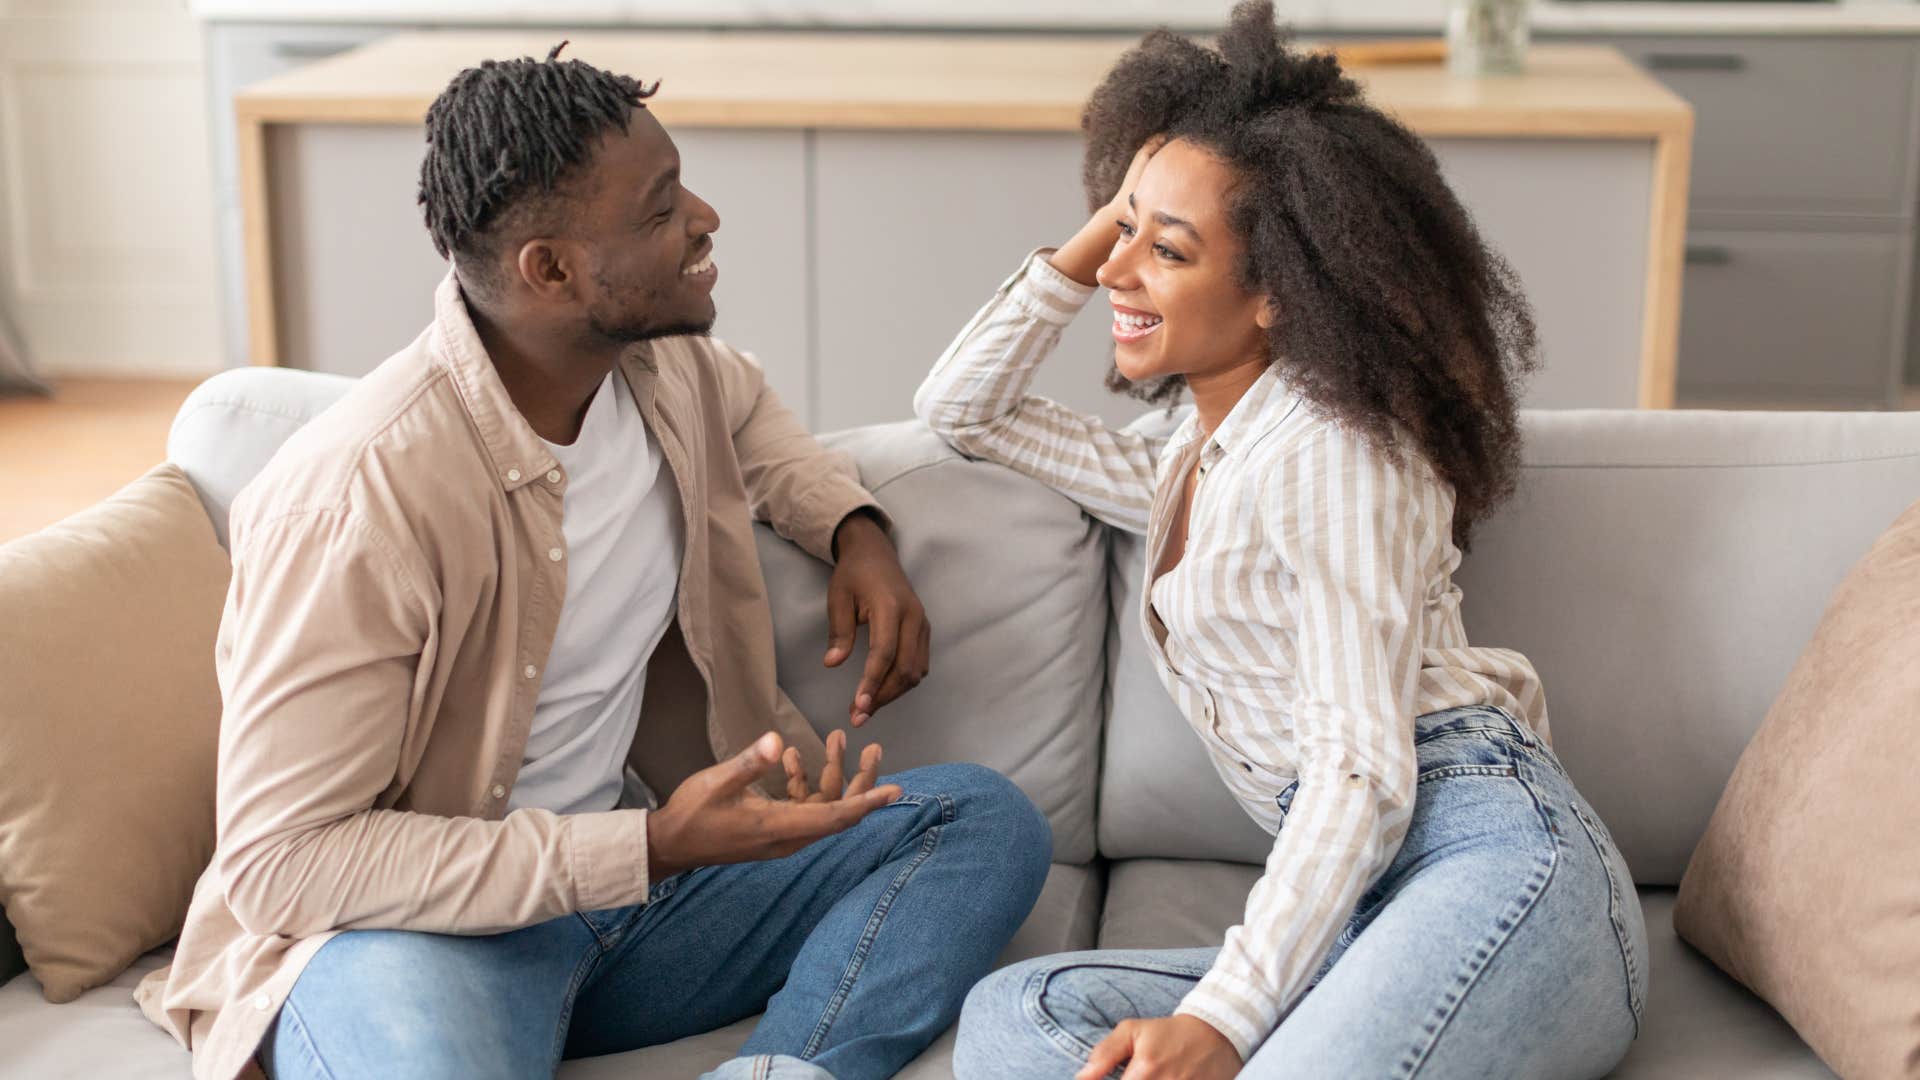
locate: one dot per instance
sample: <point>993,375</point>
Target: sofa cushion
<point>107,728</point>
<point>1015,583</point>
<point>1699,1024</point>
<point>230,426</point>
<point>1662,570</point>
<point>1803,887</point>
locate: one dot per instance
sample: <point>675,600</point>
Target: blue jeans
<point>1504,940</point>
<point>860,949</point>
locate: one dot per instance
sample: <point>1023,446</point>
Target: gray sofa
<point>1662,570</point>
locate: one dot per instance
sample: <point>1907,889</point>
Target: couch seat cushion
<point>1700,1025</point>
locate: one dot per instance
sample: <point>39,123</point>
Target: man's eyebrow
<point>660,183</point>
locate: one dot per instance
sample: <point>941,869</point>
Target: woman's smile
<point>1132,324</point>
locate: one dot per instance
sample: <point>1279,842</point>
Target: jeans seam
<point>1516,913</point>
<point>1615,904</point>
<point>858,961</point>
<point>581,971</point>
<point>312,1052</point>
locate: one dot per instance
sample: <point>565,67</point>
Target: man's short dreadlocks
<point>503,136</point>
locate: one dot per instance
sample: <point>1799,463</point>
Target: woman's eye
<point>1126,229</point>
<point>1166,252</point>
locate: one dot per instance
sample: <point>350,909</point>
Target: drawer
<point>1811,317</point>
<point>1806,125</point>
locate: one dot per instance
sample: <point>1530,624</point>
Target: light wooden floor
<point>63,454</point>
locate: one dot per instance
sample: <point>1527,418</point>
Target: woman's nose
<point>1116,273</point>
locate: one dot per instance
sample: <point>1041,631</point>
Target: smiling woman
<point>1292,256</point>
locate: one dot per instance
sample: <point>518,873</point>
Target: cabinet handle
<point>1696,62</point>
<point>1708,255</point>
<point>310,50</point>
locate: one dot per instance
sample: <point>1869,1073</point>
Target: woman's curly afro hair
<point>1392,316</point>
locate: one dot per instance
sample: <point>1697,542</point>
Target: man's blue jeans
<point>860,949</point>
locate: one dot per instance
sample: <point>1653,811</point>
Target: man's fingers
<point>795,825</point>
<point>833,777</point>
<point>840,626</point>
<point>752,763</point>
<point>883,640</point>
<point>909,662</point>
<point>869,773</point>
<point>797,789</point>
<point>1112,1052</point>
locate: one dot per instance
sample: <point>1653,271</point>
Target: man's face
<point>646,241</point>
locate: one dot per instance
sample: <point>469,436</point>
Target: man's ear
<point>550,268</point>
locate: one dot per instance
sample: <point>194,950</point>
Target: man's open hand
<point>869,587</point>
<point>716,816</point>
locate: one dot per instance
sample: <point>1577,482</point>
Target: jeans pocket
<point>1620,893</point>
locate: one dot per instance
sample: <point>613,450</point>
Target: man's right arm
<point>327,626</point>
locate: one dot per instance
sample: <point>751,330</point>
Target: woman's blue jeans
<point>1505,940</point>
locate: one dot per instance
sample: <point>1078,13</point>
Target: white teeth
<point>700,267</point>
<point>1135,322</point>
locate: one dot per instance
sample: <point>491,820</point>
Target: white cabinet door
<point>354,269</point>
<point>916,230</point>
<point>106,211</point>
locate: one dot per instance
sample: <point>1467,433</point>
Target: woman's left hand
<point>1168,1048</point>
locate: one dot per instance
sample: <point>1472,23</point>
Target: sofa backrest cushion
<point>1014,579</point>
<point>1662,570</point>
<point>230,426</point>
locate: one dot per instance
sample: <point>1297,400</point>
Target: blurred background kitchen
<point>1711,204</point>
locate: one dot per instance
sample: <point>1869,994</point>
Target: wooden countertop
<point>941,81</point>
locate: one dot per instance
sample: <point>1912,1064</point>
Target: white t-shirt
<point>622,523</point>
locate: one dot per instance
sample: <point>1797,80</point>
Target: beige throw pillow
<point>1806,886</point>
<point>107,728</point>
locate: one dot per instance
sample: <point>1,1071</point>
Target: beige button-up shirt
<point>398,573</point>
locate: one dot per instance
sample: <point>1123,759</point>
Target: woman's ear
<point>1267,315</point>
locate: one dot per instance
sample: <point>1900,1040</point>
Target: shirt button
<point>499,792</point>
<point>528,671</point>
<point>554,554</point>
<point>262,1002</point>
<point>513,476</point>
<point>553,476</point>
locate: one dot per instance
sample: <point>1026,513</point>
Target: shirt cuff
<point>1046,293</point>
<point>1245,1030</point>
<point>607,853</point>
<point>826,508</point>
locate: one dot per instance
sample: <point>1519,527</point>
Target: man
<point>505,591</point>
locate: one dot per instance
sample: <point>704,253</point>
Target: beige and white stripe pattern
<point>1312,617</point>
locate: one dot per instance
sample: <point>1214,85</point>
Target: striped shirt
<point>1311,618</point>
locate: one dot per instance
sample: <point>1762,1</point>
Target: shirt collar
<point>1268,402</point>
<point>518,454</point>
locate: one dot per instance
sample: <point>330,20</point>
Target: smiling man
<point>506,591</point>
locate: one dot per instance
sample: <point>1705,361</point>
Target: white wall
<point>106,205</point>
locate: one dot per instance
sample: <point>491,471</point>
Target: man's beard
<point>628,334</point>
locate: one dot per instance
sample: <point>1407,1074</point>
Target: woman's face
<point>1178,307</point>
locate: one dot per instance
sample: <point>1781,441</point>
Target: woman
<point>1439,900</point>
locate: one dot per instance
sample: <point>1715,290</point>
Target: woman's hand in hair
<point>1080,257</point>
<point>1175,1047</point>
